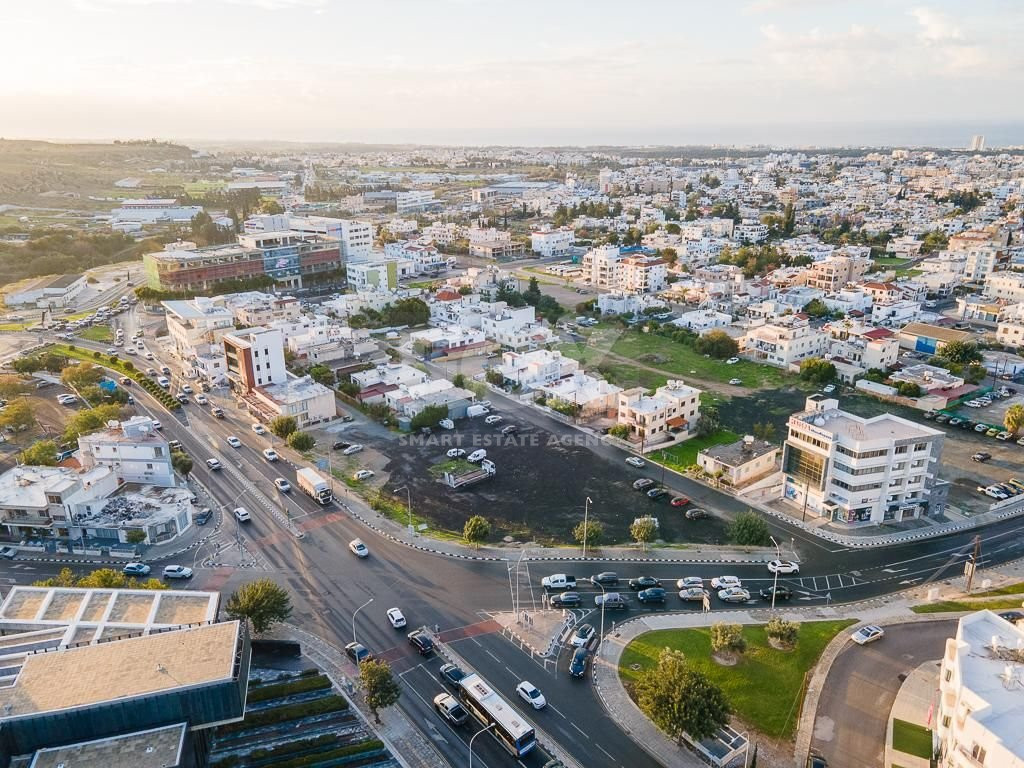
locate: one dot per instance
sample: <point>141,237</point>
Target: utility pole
<point>972,565</point>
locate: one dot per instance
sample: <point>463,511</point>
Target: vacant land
<point>681,456</point>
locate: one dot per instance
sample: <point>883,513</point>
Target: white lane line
<point>510,671</point>
<point>578,729</point>
<point>492,655</point>
<point>552,707</point>
<point>603,750</point>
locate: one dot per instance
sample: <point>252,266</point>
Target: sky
<point>565,72</point>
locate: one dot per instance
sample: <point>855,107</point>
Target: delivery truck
<point>314,486</point>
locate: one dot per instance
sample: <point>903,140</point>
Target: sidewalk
<point>913,704</point>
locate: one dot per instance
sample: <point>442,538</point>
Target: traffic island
<point>538,633</point>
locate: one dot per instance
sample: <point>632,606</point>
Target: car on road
<point>477,456</point>
<point>242,514</point>
<point>485,403</point>
<point>282,485</point>
<point>358,549</point>
<point>8,553</point>
<point>652,595</point>
<point>165,370</point>
<point>816,759</point>
<point>396,617</point>
<point>578,664</point>
<point>605,579</point>
<point>456,453</point>
<point>182,398</point>
<point>531,694</point>
<point>164,382</point>
<point>783,566</point>
<point>450,709</point>
<point>636,461</point>
<point>201,399</point>
<point>689,581</point>
<point>177,572</point>
<point>202,517</point>
<point>451,674</point>
<point>566,600</point>
<point>352,449</point>
<point>358,652</point>
<point>867,634</point>
<point>656,493</point>
<point>259,429</point>
<point>693,593</point>
<point>696,513</point>
<point>270,454</point>
<point>583,635</point>
<point>187,389</point>
<point>151,371</point>
<point>733,595</point>
<point>732,361</point>
<point>136,569</point>
<point>679,501</point>
<point>214,465</point>
<point>157,424</point>
<point>611,601</point>
<point>492,419</point>
<point>510,429</point>
<point>723,582</point>
<point>781,593</point>
<point>67,399</point>
<point>643,582</point>
<point>421,641</point>
<point>736,382</point>
<point>363,474</point>
<point>981,457</point>
<point>642,484</point>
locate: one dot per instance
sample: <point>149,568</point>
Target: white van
<point>476,456</point>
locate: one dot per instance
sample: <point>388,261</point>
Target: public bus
<point>508,726</point>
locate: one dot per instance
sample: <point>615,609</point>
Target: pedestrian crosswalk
<point>826,583</point>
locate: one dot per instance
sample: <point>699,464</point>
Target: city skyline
<point>781,72</point>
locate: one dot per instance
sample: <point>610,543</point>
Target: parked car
<point>696,513</point>
<point>456,453</point>
<point>136,569</point>
<point>282,485</point>
<point>736,382</point>
<point>722,582</point>
<point>981,456</point>
<point>446,424</point>
<point>531,694</point>
<point>783,566</point>
<point>66,399</point>
<point>656,493</point>
<point>177,572</point>
<point>492,419</point>
<point>693,593</point>
<point>733,595</point>
<point>991,432</point>
<point>867,634</point>
<point>636,461</point>
<point>270,454</point>
<point>363,474</point>
<point>8,553</point>
<point>566,600</point>
<point>1004,435</point>
<point>584,634</point>
<point>358,548</point>
<point>354,448</point>
<point>732,361</point>
<point>510,429</point>
<point>643,582</point>
<point>202,517</point>
<point>477,456</point>
<point>451,674</point>
<point>396,618</point>
<point>642,484</point>
<point>421,641</point>
<point>450,709</point>
<point>981,428</point>
<point>578,664</point>
<point>652,595</point>
<point>358,652</point>
<point>605,579</point>
<point>679,501</point>
<point>781,593</point>
<point>828,389</point>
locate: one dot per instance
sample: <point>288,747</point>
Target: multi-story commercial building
<point>1008,286</point>
<point>355,237</point>
<point>413,201</point>
<point>133,449</point>
<point>195,323</point>
<point>552,242</point>
<point>835,272</point>
<point>784,342</point>
<point>981,694</point>
<point>493,244</point>
<point>297,396</point>
<point>153,210</point>
<point>379,274</point>
<point>855,470</point>
<point>255,358</point>
<point>57,291</point>
<point>654,419</point>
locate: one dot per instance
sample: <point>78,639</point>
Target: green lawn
<point>950,606</point>
<point>764,688</point>
<point>1009,589</point>
<point>889,261</point>
<point>99,333</point>
<point>910,738</point>
<point>679,457</point>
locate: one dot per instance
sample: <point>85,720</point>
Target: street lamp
<point>604,595</point>
<point>408,502</point>
<point>472,738</point>
<point>775,585</point>
<point>586,525</point>
<point>356,611</point>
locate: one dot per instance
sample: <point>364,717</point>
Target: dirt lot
<point>542,481</point>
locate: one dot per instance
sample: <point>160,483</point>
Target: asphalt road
<point>861,686</point>
<point>328,584</point>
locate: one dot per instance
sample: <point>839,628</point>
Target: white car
<point>736,382</point>
<point>358,548</point>
<point>129,351</point>
<point>363,474</point>
<point>485,403</point>
<point>148,355</point>
<point>177,572</point>
<point>67,399</point>
<point>476,456</point>
<point>724,582</point>
<point>242,515</point>
<point>201,399</point>
<point>636,461</point>
<point>531,694</point>
<point>492,419</point>
<point>234,442</point>
<point>867,634</point>
<point>693,593</point>
<point>783,566</point>
<point>282,485</point>
<point>354,448</point>
<point>456,453</point>
<point>732,361</point>
<point>187,389</point>
<point>829,389</point>
<point>214,464</point>
<point>270,454</point>
<point>396,618</point>
<point>259,429</point>
<point>690,582</point>
<point>733,595</point>
<point>446,424</point>
<point>157,424</point>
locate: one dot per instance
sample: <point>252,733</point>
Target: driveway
<point>861,687</point>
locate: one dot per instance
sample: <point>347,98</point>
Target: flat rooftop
<point>157,748</point>
<point>739,453</point>
<point>132,667</point>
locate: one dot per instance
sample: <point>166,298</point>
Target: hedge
<point>283,677</point>
<point>276,715</point>
<point>291,747</point>
<point>319,757</point>
<point>279,690</point>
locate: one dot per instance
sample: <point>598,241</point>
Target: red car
<point>680,501</point>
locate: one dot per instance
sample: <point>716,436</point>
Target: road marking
<point>510,672</point>
<point>603,750</point>
<point>554,709</point>
<point>578,729</point>
<point>894,570</point>
<point>492,655</point>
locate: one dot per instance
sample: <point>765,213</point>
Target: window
<point>149,466</point>
<point>978,753</point>
<point>946,721</point>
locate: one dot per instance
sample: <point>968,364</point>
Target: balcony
<point>28,521</point>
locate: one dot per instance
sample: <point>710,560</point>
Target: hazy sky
<point>508,71</point>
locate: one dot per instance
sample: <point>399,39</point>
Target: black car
<point>605,578</point>
<point>1014,617</point>
<point>652,595</point>
<point>202,517</point>
<point>340,445</point>
<point>358,652</point>
<point>421,641</point>
<point>644,582</point>
<point>981,456</point>
<point>578,665</point>
<point>781,593</point>
<point>656,493</point>
<point>451,674</point>
<point>696,514</point>
<point>566,600</point>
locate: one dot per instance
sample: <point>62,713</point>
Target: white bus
<point>510,728</point>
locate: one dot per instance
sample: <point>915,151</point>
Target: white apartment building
<point>700,321</point>
<point>553,242</point>
<point>258,308</point>
<point>379,274</point>
<point>255,357</point>
<point>356,237</point>
<point>297,396</point>
<point>642,274</point>
<point>855,470</point>
<point>750,231</point>
<point>134,450</point>
<point>445,233</point>
<point>981,261</point>
<point>1010,330</point>
<point>835,272</point>
<point>196,322</point>
<point>413,201</point>
<point>1005,285</point>
<point>331,344</point>
<point>514,328</point>
<point>595,397</point>
<point>448,341</point>
<point>784,342</point>
<point>981,695</point>
<point>848,300</point>
<point>655,419</point>
<point>896,314</point>
<point>862,344</point>
<point>600,266</point>
<point>535,369</point>
<point>374,382</point>
<point>426,259</point>
<point>627,304</point>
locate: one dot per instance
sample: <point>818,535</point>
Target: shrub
<point>727,638</point>
<point>749,529</point>
<point>279,690</point>
<point>782,631</point>
<point>323,706</point>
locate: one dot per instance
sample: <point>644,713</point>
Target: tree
<point>283,426</point>
<point>263,603</point>
<point>673,228</point>
<point>103,578</point>
<point>18,415</point>
<point>749,530</point>
<point>620,431</point>
<point>494,377</point>
<point>589,534</point>
<point>532,293</point>
<point>782,631</point>
<point>429,416</point>
<point>271,207</point>
<point>301,441</point>
<point>459,380</point>
<point>764,431</point>
<point>680,700</point>
<point>816,308</point>
<point>908,389</point>
<point>476,529</point>
<point>321,374</point>
<point>960,352</point>
<point>181,462</point>
<point>41,454</point>
<point>91,419</point>
<point>379,686</point>
<point>709,422</point>
<point>788,220</point>
<point>727,638</point>
<point>82,375</point>
<point>135,537</point>
<point>1014,418</point>
<point>718,344</point>
<point>12,387</point>
<point>644,530</point>
<point>817,371</point>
